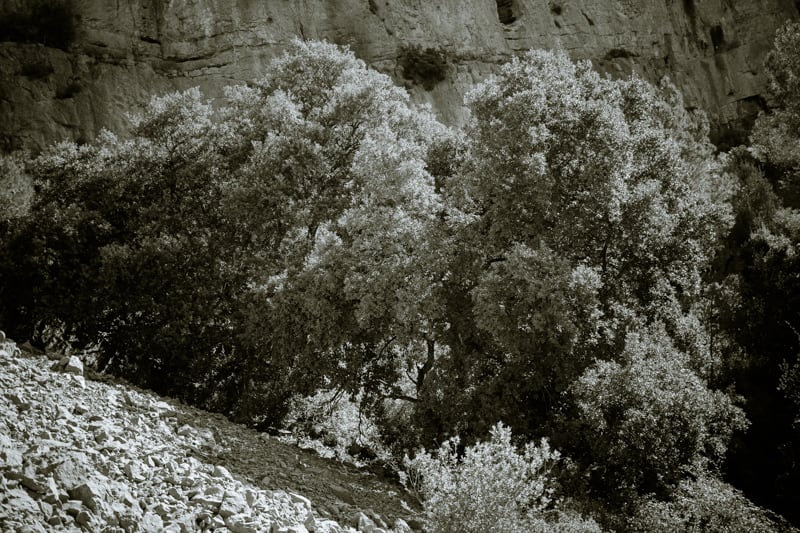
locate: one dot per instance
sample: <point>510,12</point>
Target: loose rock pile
<point>77,454</point>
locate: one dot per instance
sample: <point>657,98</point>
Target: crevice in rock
<point>589,20</point>
<point>717,37</point>
<point>506,11</point>
<point>689,8</point>
<point>736,132</point>
<point>426,67</point>
<point>617,53</point>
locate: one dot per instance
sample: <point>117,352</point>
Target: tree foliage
<point>491,486</point>
<point>583,208</point>
<point>343,169</point>
<point>121,246</point>
<point>649,420</point>
<point>16,189</point>
<point>546,267</point>
<point>704,504</point>
<point>758,308</point>
<point>775,138</point>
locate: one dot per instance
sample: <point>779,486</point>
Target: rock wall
<point>127,50</point>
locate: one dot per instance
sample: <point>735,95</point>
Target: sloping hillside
<point>83,454</point>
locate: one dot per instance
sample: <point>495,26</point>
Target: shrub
<point>425,67</point>
<point>644,424</point>
<point>334,425</point>
<point>703,504</point>
<point>16,188</point>
<point>492,487</point>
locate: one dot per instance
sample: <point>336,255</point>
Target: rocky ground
<point>96,455</point>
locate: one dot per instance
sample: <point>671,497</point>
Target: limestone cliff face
<point>127,50</point>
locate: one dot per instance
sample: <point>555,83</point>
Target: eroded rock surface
<point>83,455</point>
<point>126,51</point>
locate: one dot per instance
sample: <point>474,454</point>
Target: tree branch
<point>426,367</point>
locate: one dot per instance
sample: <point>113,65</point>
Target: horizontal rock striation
<point>123,52</point>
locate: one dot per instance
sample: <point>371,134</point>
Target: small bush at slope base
<point>492,487</point>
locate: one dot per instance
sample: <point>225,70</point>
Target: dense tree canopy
<point>577,263</point>
<point>585,212</point>
<point>775,139</point>
<point>760,296</point>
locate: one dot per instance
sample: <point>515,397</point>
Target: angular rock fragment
<point>211,497</point>
<point>17,399</point>
<point>90,493</point>
<point>102,435</point>
<point>162,510</point>
<point>364,523</point>
<point>10,457</point>
<point>222,472</point>
<point>51,494</point>
<point>296,498</point>
<point>400,526</point>
<point>343,494</point>
<point>241,523</point>
<point>232,504</point>
<point>328,525</point>
<point>62,413</point>
<point>310,522</point>
<point>84,518</point>
<point>134,471</point>
<point>164,409</point>
<point>72,507</point>
<point>46,508</point>
<point>72,471</point>
<point>124,515</point>
<point>151,522</point>
<point>21,501</point>
<point>30,482</point>
<point>250,497</point>
<point>73,365</point>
